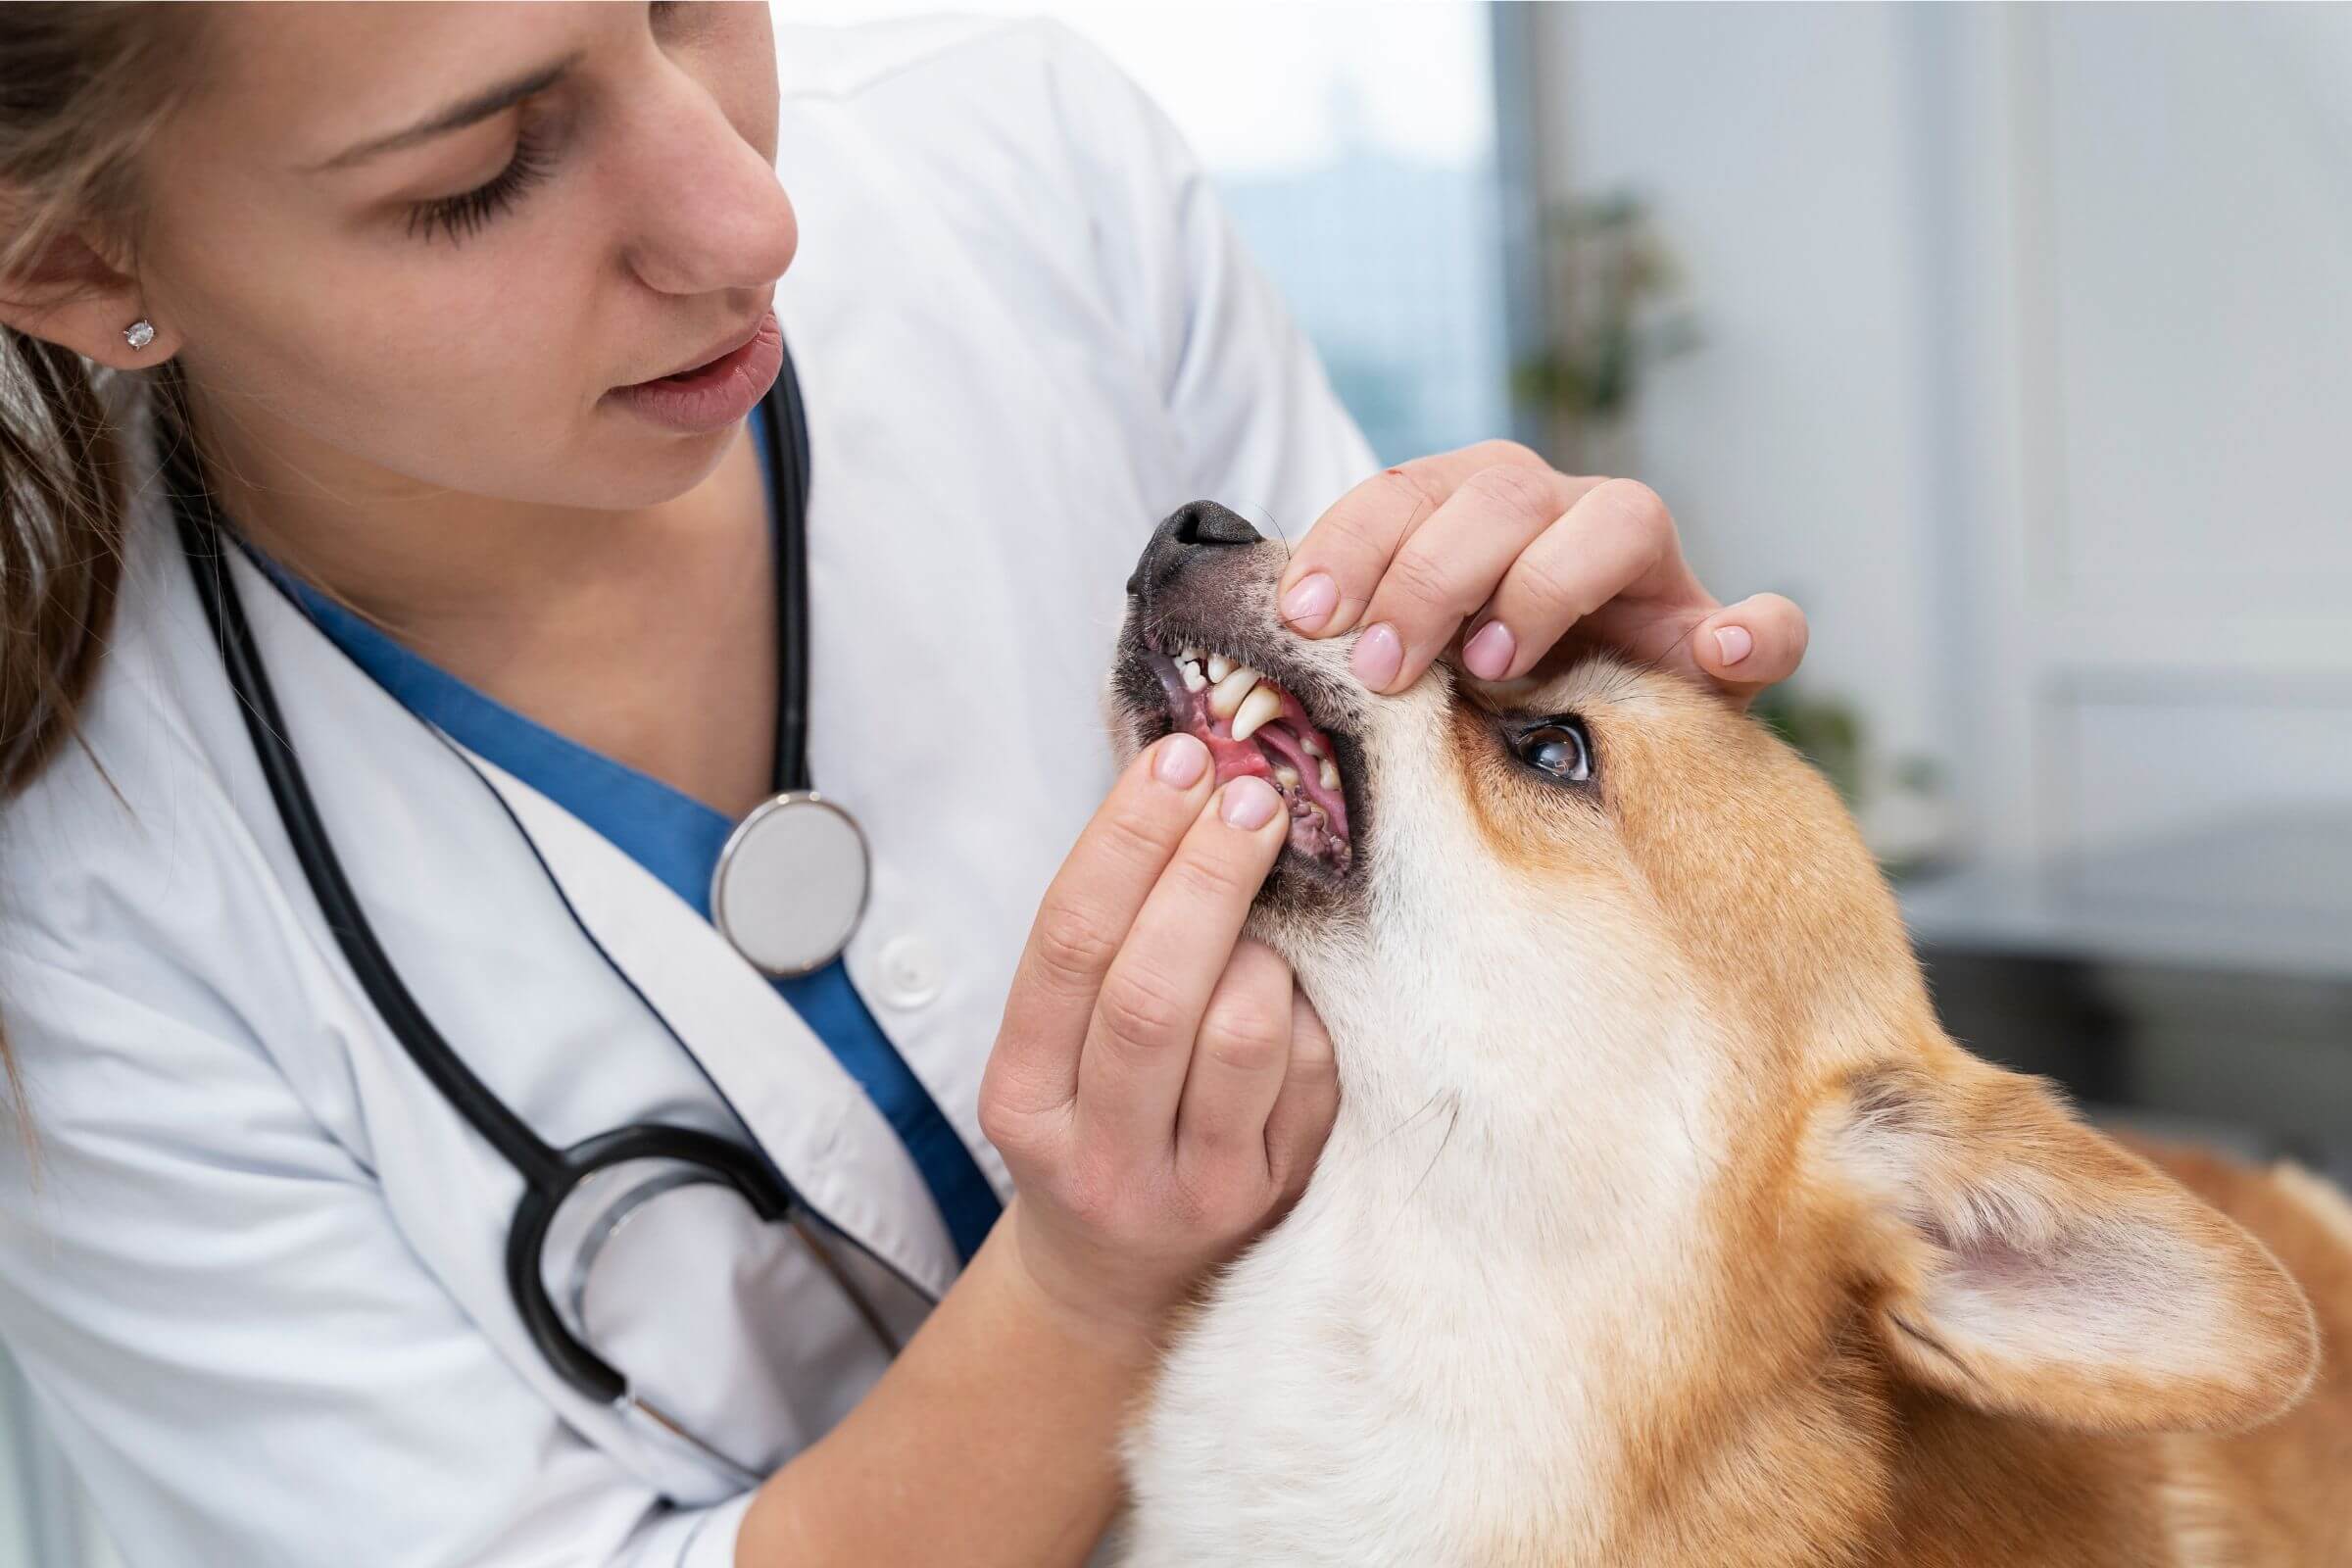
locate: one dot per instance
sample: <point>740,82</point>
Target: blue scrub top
<point>677,838</point>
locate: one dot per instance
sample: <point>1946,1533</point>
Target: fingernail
<point>1249,803</point>
<point>1311,601</point>
<point>1488,654</point>
<point>1378,656</point>
<point>1180,761</point>
<point>1734,642</point>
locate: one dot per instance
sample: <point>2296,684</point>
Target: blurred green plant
<point>1611,284</point>
<point>1900,804</point>
<point>1827,730</point>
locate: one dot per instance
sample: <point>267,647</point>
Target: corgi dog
<point>1661,1224</point>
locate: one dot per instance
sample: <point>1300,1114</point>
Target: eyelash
<point>462,215</point>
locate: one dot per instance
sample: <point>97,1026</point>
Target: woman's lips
<point>715,395</point>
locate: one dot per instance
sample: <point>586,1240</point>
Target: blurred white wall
<point>2027,367</point>
<point>1777,149</point>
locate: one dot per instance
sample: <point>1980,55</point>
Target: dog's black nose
<point>1201,525</point>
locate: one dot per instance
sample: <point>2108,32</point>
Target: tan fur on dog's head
<point>2009,1255</point>
<point>1683,979</point>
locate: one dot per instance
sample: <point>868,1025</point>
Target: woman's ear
<point>2024,1263</point>
<point>71,292</point>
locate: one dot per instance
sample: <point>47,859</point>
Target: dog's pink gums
<point>1318,815</point>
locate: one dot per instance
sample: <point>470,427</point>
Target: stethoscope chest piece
<point>790,883</point>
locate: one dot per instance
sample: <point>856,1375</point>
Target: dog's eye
<point>1558,748</point>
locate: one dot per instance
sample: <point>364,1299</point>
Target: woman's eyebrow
<point>467,111</point>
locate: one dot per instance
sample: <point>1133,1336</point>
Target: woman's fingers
<point>1139,1138</point>
<point>1237,1069</point>
<point>1132,1067</point>
<point>1084,916</point>
<point>1739,649</point>
<point>1490,543</point>
<point>1302,1113</point>
<point>1751,645</point>
<point>1333,573</point>
<point>1617,539</point>
<point>1450,565</point>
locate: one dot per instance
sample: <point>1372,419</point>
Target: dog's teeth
<point>1258,707</point>
<point>1219,666</point>
<point>1194,680</point>
<point>1233,683</point>
<point>1286,775</point>
<point>1329,775</point>
<point>1310,745</point>
<point>1189,653</point>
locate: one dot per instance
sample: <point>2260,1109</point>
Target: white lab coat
<point>253,1270</point>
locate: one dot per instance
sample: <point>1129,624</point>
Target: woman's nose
<point>709,212</point>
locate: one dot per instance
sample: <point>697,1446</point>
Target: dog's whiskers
<point>1452,1120</point>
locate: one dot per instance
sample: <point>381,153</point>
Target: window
<point>1355,145</point>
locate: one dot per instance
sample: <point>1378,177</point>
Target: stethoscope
<point>790,884</point>
<point>798,842</point>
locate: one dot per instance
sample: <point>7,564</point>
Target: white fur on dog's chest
<point>1406,1372</point>
<point>1432,1361</point>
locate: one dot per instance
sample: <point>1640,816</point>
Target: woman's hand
<point>1493,543</point>
<point>1158,1089</point>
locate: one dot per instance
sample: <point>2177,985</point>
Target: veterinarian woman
<point>447,1133</point>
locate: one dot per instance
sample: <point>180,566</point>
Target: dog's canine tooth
<point>1233,683</point>
<point>1261,704</point>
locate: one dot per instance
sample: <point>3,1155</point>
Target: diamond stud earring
<point>139,333</point>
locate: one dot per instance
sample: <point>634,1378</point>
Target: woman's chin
<point>633,467</point>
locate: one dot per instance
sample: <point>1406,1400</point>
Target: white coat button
<point>911,971</point>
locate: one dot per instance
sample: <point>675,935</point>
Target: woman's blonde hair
<point>83,90</point>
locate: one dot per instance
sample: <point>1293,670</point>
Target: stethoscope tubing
<point>549,1173</point>
<point>788,439</point>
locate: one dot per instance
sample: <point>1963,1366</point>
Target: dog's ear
<point>2020,1262</point>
